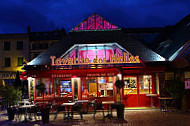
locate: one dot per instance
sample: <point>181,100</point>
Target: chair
<point>98,106</point>
<point>90,104</point>
<point>19,113</point>
<point>33,111</point>
<point>77,107</point>
<point>60,109</point>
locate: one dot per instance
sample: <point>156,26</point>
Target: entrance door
<point>145,87</point>
<point>136,89</point>
<point>130,91</point>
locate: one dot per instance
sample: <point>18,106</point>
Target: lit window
<point>19,61</point>
<point>130,85</point>
<point>145,84</point>
<point>98,87</point>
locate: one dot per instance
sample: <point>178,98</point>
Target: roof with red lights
<point>94,23</point>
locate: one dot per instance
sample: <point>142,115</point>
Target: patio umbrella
<point>17,82</point>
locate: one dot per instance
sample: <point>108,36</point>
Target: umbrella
<point>17,83</point>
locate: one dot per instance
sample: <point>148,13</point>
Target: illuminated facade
<point>87,63</point>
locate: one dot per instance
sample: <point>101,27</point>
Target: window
<point>7,62</point>
<point>62,88</point>
<point>19,61</point>
<point>7,45</point>
<point>98,87</point>
<point>145,84</point>
<point>130,85</point>
<point>19,45</point>
<point>48,84</point>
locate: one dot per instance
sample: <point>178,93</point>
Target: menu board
<point>92,87</point>
<point>169,76</point>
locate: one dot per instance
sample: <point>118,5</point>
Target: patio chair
<point>19,113</point>
<point>33,111</point>
<point>98,106</point>
<point>113,106</point>
<point>77,107</point>
<point>60,109</point>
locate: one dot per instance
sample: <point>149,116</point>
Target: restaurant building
<point>88,61</point>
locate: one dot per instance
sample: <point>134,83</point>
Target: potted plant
<point>177,91</point>
<point>11,97</point>
<point>119,105</point>
<point>44,111</point>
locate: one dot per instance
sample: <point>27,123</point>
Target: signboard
<point>92,88</point>
<point>126,58</point>
<point>187,83</point>
<point>169,76</point>
<point>187,74</point>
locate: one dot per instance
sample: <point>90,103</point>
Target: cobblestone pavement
<point>147,117</point>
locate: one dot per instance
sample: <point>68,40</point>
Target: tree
<point>10,95</point>
<point>119,84</point>
<point>41,88</point>
<point>17,82</point>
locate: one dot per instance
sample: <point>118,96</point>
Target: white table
<point>151,98</point>
<point>68,106</point>
<point>108,103</point>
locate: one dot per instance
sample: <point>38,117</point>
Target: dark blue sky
<point>16,15</point>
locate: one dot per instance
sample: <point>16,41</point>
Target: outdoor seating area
<point>26,111</point>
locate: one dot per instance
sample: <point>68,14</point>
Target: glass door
<point>130,91</point>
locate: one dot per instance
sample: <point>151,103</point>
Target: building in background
<point>19,48</point>
<point>41,41</point>
<point>14,53</point>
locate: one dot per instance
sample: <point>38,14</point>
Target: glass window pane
<point>19,61</point>
<point>7,45</point>
<point>130,85</point>
<point>19,45</point>
<point>7,62</point>
<point>92,87</point>
<point>145,84</point>
<point>65,88</point>
<point>47,83</point>
<point>91,53</point>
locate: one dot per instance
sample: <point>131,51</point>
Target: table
<point>68,106</point>
<point>165,99</point>
<point>25,107</point>
<point>81,102</point>
<point>108,103</point>
<point>62,94</point>
<point>151,98</point>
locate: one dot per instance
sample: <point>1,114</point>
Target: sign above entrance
<point>126,58</point>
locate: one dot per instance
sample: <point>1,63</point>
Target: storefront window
<point>92,87</point>
<point>98,87</point>
<point>48,85</point>
<point>62,88</point>
<point>105,88</point>
<point>65,88</point>
<point>130,85</point>
<point>145,84</point>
